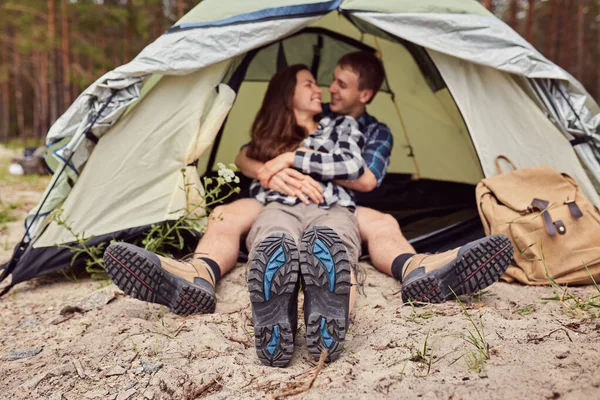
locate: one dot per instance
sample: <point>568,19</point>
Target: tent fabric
<point>279,11</point>
<point>484,40</point>
<point>515,126</point>
<point>417,7</point>
<point>153,143</point>
<point>421,113</point>
<point>215,11</point>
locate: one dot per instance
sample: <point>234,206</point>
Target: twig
<point>63,319</point>
<point>387,296</point>
<point>180,329</point>
<point>240,341</point>
<point>201,390</point>
<point>541,338</point>
<point>295,391</point>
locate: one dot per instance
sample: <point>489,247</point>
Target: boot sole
<point>273,282</point>
<point>326,278</point>
<point>141,279</point>
<point>478,268</point>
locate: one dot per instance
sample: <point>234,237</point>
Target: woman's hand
<point>294,183</point>
<point>272,167</point>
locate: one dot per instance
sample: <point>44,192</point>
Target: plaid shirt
<point>378,143</point>
<point>338,147</point>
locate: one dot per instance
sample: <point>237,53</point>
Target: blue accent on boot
<point>275,262</point>
<point>325,335</point>
<point>321,251</point>
<point>272,346</point>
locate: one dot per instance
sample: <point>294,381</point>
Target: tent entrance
<point>431,142</point>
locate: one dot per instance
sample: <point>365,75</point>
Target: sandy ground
<point>66,340</point>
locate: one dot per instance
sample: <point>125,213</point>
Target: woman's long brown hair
<point>275,130</point>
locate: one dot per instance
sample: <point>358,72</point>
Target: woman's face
<point>307,95</point>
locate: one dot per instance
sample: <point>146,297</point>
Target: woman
<point>291,237</point>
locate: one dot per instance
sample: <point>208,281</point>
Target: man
<point>188,286</point>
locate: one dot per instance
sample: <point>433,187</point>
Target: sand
<point>86,340</point>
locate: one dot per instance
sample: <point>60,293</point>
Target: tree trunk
<point>512,14</point>
<point>597,62</point>
<point>101,40</point>
<point>90,70</point>
<point>76,62</point>
<point>580,41</point>
<point>53,92</point>
<point>552,29</point>
<point>18,80</point>
<point>128,32</point>
<point>489,4</point>
<point>181,8</point>
<point>566,28</point>
<point>4,93</point>
<point>37,94</point>
<point>66,62</point>
<point>44,95</point>
<point>157,26</point>
<point>530,21</point>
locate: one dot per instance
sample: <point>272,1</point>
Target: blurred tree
<point>53,49</point>
<point>66,54</point>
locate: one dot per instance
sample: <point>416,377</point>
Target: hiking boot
<point>325,270</point>
<point>465,270</point>
<point>146,276</point>
<point>273,283</point>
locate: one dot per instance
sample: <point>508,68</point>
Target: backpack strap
<point>501,157</point>
<point>574,209</point>
<point>542,206</point>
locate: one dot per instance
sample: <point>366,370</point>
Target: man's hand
<point>294,183</point>
<point>272,167</point>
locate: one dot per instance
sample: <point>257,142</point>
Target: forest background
<point>51,50</point>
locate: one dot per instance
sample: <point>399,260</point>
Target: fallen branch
<point>295,391</point>
<point>541,338</point>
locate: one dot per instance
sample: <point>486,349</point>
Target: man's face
<point>346,98</point>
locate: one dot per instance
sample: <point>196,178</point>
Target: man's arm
<point>343,161</point>
<point>365,183</point>
<point>376,153</point>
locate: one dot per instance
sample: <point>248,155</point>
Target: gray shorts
<point>294,220</point>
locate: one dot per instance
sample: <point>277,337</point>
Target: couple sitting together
<point>303,225</point>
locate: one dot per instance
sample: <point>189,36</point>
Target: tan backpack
<point>549,222</point>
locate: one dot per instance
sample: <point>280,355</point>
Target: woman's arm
<point>248,166</point>
<point>287,181</point>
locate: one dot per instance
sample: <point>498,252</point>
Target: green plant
<point>7,212</point>
<point>526,310</point>
<point>423,357</point>
<point>475,358</point>
<point>160,238</point>
<point>414,315</point>
<point>94,264</point>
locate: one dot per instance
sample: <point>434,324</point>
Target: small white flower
<point>227,174</point>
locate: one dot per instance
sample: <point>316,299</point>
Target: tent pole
<point>417,174</point>
<point>19,250</point>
